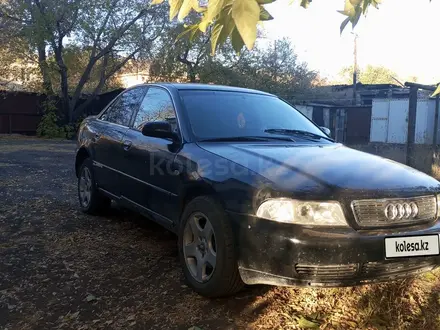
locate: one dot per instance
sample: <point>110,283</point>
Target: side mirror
<point>159,129</point>
<point>325,130</point>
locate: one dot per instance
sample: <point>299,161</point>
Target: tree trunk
<point>192,74</point>
<point>44,69</point>
<point>62,68</point>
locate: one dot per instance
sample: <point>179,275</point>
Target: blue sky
<point>393,36</point>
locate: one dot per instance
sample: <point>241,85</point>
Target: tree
<point>76,59</point>
<point>181,59</point>
<point>370,75</point>
<point>238,19</point>
<point>111,32</point>
<point>274,69</point>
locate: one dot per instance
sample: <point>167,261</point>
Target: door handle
<point>126,145</point>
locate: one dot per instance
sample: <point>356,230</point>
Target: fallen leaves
<point>90,298</point>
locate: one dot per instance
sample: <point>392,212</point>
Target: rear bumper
<point>282,254</point>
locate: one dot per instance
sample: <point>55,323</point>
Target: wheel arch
<point>81,155</point>
<point>196,190</point>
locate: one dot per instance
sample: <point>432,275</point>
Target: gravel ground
<point>62,269</point>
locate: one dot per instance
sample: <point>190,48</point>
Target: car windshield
<point>223,114</point>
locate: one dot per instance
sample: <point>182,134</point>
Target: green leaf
<point>368,3</point>
<point>214,8</point>
<point>355,19</point>
<point>437,91</point>
<point>228,26</point>
<point>193,33</point>
<point>344,23</point>
<point>305,3</point>
<point>349,9</point>
<point>185,9</point>
<point>265,15</point>
<point>188,29</point>
<point>265,2</point>
<point>246,14</point>
<point>174,8</point>
<point>222,29</point>
<point>215,34</point>
<point>237,41</point>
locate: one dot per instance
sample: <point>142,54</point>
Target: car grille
<point>371,212</point>
<point>367,272</point>
<point>395,269</point>
<point>332,272</point>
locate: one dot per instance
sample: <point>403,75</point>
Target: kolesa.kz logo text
<point>408,247</point>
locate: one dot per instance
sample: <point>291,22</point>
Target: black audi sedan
<point>256,192</point>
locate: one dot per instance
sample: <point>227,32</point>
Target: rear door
<point>111,127</point>
<point>150,161</point>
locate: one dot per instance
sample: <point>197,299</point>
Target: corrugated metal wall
<point>389,121</point>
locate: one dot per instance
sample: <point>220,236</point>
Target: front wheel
<point>206,249</point>
<point>90,198</point>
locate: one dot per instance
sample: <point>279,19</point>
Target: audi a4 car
<point>255,191</point>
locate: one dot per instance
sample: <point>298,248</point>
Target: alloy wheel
<point>85,187</point>
<point>199,247</point>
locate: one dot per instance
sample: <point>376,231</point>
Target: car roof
<point>189,86</point>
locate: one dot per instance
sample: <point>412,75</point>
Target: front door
<point>111,128</point>
<point>149,160</point>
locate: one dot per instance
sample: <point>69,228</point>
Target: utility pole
<point>355,69</point>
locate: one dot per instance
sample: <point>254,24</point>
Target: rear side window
<point>124,107</point>
<point>156,106</point>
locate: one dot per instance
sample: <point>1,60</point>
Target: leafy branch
<point>238,19</point>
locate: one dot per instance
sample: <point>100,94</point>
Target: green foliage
<point>243,16</point>
<point>48,126</point>
<point>246,14</point>
<point>274,68</point>
<point>369,75</point>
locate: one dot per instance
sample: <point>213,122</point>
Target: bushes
<point>49,125</point>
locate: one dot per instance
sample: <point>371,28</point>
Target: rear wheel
<point>206,249</point>
<point>91,200</point>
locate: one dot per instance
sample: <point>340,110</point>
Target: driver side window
<point>121,111</point>
<point>156,106</point>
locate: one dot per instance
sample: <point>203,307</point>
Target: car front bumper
<point>285,254</point>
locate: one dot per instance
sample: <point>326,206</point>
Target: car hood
<point>326,169</point>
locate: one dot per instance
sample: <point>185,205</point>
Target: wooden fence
<point>20,112</point>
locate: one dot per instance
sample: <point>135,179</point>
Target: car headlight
<point>302,212</point>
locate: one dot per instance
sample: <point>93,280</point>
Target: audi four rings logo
<point>397,211</point>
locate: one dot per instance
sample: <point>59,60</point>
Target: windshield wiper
<point>247,138</point>
<point>297,132</point>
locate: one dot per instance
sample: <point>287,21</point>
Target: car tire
<point>91,200</point>
<point>223,279</point>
